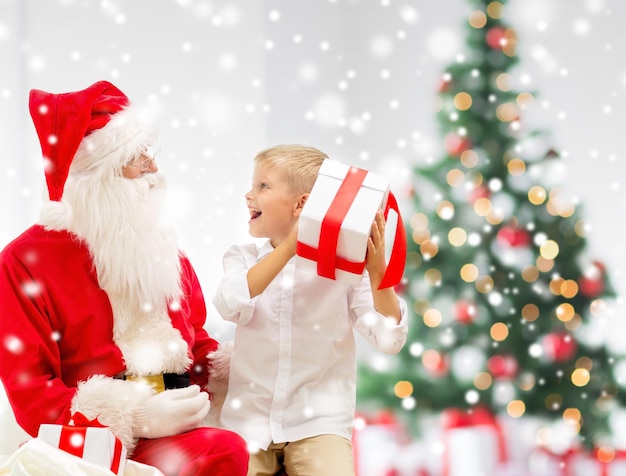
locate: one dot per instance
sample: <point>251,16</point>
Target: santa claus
<point>101,312</point>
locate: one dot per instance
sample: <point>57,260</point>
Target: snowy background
<point>355,78</point>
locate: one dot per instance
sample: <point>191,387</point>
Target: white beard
<point>137,261</point>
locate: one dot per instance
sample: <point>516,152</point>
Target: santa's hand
<point>171,412</point>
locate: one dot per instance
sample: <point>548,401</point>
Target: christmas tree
<point>499,280</point>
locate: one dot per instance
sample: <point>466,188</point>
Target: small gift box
<point>474,443</point>
<point>336,222</point>
<point>376,441</point>
<point>606,461</point>
<point>545,462</point>
<point>616,466</point>
<point>89,440</point>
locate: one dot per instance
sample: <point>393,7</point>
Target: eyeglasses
<point>144,161</point>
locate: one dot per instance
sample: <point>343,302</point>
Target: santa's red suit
<point>57,322</point>
<point>74,342</point>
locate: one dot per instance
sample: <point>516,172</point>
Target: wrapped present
<point>545,462</point>
<point>604,461</point>
<point>89,440</point>
<point>609,461</point>
<point>336,221</point>
<point>375,443</point>
<point>615,467</point>
<point>559,451</point>
<point>411,459</point>
<point>474,443</point>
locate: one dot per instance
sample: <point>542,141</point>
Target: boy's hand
<point>375,263</point>
<point>385,300</point>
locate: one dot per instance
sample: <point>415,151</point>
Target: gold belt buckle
<point>155,381</point>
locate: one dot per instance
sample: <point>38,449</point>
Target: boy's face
<point>273,205</point>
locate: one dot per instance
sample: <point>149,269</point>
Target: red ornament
<point>559,346</point>
<point>502,366</point>
<point>479,192</point>
<point>464,311</point>
<point>591,284</point>
<point>590,288</point>
<point>496,37</point>
<point>455,145</point>
<point>400,288</point>
<point>445,84</point>
<point>383,417</point>
<point>513,236</point>
<point>435,363</point>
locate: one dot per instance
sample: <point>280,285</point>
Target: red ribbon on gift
<point>331,224</point>
<point>72,440</point>
<point>326,253</point>
<point>604,465</point>
<point>81,420</point>
<point>383,418</point>
<point>564,459</point>
<point>395,267</point>
<point>73,436</point>
<point>457,418</point>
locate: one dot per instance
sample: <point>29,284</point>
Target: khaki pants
<point>324,455</point>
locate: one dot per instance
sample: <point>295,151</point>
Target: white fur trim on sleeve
<point>218,381</point>
<point>114,402</point>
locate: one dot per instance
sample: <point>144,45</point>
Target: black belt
<point>176,381</point>
<point>162,381</point>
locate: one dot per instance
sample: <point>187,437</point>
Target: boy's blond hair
<point>299,164</point>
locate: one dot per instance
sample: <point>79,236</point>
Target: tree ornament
<point>455,144</point>
<point>496,38</point>
<point>591,283</point>
<point>559,346</point>
<point>503,366</point>
<point>513,236</point>
<point>481,191</point>
<point>435,363</point>
<point>464,311</point>
<point>445,84</point>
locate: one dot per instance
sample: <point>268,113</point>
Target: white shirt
<point>293,367</point>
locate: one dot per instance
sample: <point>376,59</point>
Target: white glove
<point>171,412</point>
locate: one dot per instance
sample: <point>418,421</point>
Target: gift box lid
<point>366,195</point>
<point>330,176</point>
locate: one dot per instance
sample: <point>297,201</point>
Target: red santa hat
<point>96,128</point>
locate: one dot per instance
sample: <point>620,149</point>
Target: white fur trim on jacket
<point>148,341</point>
<point>219,371</point>
<point>114,403</point>
<point>123,138</point>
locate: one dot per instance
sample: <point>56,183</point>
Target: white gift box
<point>376,443</point>
<point>586,464</point>
<point>474,443</point>
<point>472,452</point>
<point>336,221</point>
<point>94,444</point>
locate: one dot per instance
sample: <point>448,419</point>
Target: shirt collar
<point>265,249</point>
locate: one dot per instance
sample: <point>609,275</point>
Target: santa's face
<point>144,164</point>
